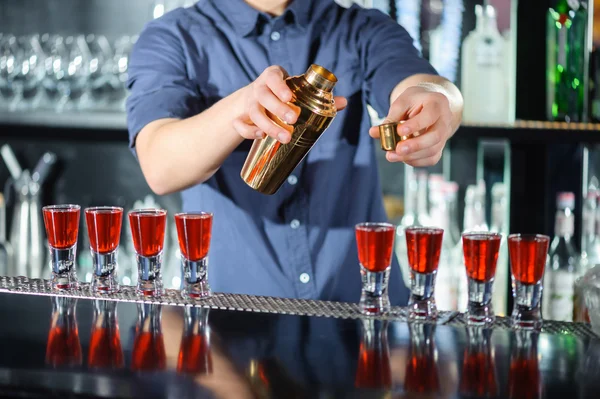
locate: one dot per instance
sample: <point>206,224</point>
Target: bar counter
<point>237,346</point>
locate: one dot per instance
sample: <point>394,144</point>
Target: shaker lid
<point>320,77</point>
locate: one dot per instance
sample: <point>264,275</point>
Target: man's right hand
<point>269,93</point>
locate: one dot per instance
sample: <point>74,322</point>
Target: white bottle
<point>498,225</point>
<point>485,71</point>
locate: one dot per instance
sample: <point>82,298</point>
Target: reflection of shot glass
<point>528,260</point>
<point>481,254</point>
<point>104,231</point>
<point>63,348</point>
<point>148,353</point>
<point>524,376</point>
<point>478,377</point>
<point>148,234</point>
<point>193,232</point>
<point>424,245</point>
<point>195,355</point>
<point>374,370</point>
<point>105,351</point>
<point>62,227</point>
<point>375,246</point>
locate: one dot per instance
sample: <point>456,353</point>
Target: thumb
<point>340,102</point>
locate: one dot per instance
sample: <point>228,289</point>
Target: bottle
<point>567,69</point>
<point>408,219</point>
<point>595,73</point>
<point>269,163</point>
<point>498,225</point>
<point>423,218</point>
<point>485,71</point>
<point>561,272</point>
<point>590,246</point>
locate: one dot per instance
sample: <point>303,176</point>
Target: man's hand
<point>426,113</point>
<point>269,95</point>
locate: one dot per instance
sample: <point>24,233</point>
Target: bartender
<point>201,81</point>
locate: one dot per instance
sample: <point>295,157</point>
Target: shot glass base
<point>526,314</point>
<point>62,264</point>
<point>421,304</point>
<point>422,309</point>
<point>195,278</point>
<point>479,310</point>
<point>105,279</point>
<point>374,299</point>
<point>149,275</point>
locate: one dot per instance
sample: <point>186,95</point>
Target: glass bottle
<point>567,23</point>
<point>498,225</point>
<point>561,272</point>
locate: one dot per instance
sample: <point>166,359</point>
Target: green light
<point>575,83</point>
<point>554,109</point>
<point>560,68</point>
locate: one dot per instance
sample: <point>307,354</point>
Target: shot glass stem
<point>527,314</point>
<point>421,303</point>
<point>374,297</point>
<point>479,308</point>
<point>62,263</point>
<point>149,275</point>
<point>195,278</point>
<point>105,272</point>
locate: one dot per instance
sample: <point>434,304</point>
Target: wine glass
<point>123,47</point>
<point>73,74</point>
<point>7,65</point>
<point>101,65</point>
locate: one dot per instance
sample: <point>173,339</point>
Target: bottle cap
<point>389,137</point>
<point>565,200</point>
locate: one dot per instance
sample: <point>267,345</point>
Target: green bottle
<point>567,61</point>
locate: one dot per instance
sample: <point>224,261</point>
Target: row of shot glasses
<point>528,255</point>
<point>148,233</point>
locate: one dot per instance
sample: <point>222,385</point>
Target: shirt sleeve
<point>388,56</point>
<point>158,80</point>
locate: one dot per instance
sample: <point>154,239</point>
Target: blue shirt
<point>299,242</point>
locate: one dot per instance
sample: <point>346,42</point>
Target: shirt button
<point>275,36</point>
<point>295,224</point>
<point>292,180</point>
<point>304,278</point>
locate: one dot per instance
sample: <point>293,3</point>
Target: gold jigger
<point>389,137</point>
<point>269,162</point>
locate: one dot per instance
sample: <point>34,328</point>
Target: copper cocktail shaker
<point>269,162</point>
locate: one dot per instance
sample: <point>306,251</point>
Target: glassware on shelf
<point>424,247</point>
<point>27,74</point>
<point>120,70</point>
<point>528,254</point>
<point>101,66</point>
<point>62,227</point>
<point>480,255</point>
<point>375,242</point>
<point>148,228</point>
<point>194,233</point>
<point>104,232</point>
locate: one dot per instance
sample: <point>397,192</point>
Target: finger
<point>264,123</point>
<point>275,80</point>
<point>419,143</point>
<point>426,153</point>
<point>374,132</point>
<point>340,102</point>
<point>246,130</point>
<point>424,162</point>
<point>273,104</point>
<point>421,121</point>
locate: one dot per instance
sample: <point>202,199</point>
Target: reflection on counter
<point>63,348</point>
<point>478,378</point>
<point>105,350</point>
<point>148,346</point>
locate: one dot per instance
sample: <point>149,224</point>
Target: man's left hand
<point>426,114</point>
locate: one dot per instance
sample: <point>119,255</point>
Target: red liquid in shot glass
<point>148,352</point>
<point>375,243</point>
<point>148,231</point>
<point>105,348</point>
<point>528,257</point>
<point>194,355</point>
<point>193,232</point>
<point>481,254</point>
<point>104,228</point>
<point>62,225</point>
<point>424,247</point>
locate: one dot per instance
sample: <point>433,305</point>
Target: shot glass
<point>528,255</point>
<point>148,234</point>
<point>62,227</point>
<point>375,247</point>
<point>104,231</point>
<point>480,251</point>
<point>424,245</point>
<point>194,231</point>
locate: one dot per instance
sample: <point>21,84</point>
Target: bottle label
<point>564,224</point>
<point>559,293</point>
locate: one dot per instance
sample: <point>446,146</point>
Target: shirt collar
<point>244,18</point>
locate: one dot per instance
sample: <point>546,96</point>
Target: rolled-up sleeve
<point>158,83</point>
<point>388,56</point>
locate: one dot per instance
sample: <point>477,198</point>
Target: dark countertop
<point>53,347</point>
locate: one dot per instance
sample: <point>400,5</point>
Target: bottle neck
<point>564,225</point>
